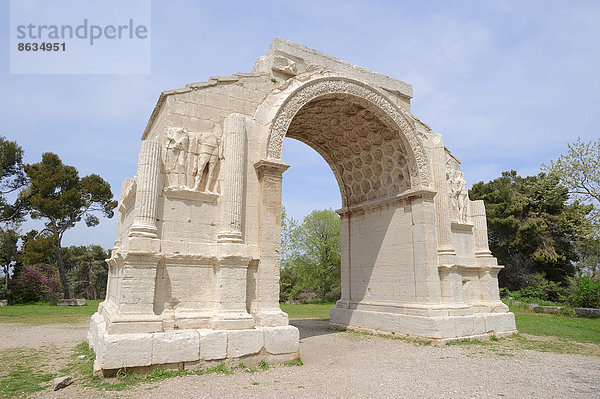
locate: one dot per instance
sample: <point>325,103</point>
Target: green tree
<point>88,270</point>
<point>37,248</point>
<point>58,195</point>
<point>313,253</point>
<point>12,178</point>
<point>532,227</point>
<point>8,254</point>
<point>589,254</point>
<point>287,277</point>
<point>579,171</point>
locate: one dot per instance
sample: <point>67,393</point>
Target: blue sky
<point>508,83</point>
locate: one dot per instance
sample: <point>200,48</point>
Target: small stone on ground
<point>61,382</point>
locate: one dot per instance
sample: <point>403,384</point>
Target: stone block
<point>96,324</point>
<point>244,342</point>
<point>499,322</point>
<point>176,346</point>
<point>284,339</point>
<point>548,309</point>
<point>587,312</point>
<point>464,326</point>
<point>70,302</point>
<point>478,324</point>
<point>126,350</point>
<point>213,344</point>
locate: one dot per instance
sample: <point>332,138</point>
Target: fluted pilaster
<point>235,160</point>
<point>482,248</point>
<point>442,206</point>
<point>148,175</point>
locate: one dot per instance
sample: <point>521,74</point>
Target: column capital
<point>270,167</point>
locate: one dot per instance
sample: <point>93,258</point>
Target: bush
<point>35,283</point>
<point>539,288</point>
<point>585,292</point>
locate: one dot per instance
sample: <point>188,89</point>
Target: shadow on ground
<point>312,327</point>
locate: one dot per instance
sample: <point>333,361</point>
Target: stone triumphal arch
<point>194,274</point>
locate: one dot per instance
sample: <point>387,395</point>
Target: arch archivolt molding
<point>394,117</point>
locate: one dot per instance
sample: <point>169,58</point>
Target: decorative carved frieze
<point>390,114</point>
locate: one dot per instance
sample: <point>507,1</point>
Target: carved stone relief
<point>367,158</point>
<point>285,66</point>
<point>458,191</point>
<point>192,162</point>
<point>127,194</point>
<point>388,113</point>
<point>209,151</point>
<point>176,157</point>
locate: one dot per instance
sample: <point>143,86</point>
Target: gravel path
<point>346,365</point>
<point>14,335</point>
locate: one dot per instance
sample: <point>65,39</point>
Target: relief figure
<point>209,153</point>
<point>460,193</point>
<point>177,149</point>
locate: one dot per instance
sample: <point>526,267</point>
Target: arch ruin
<point>194,273</point>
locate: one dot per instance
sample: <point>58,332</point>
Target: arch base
<point>438,329</point>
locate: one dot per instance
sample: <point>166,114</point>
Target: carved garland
<point>419,166</point>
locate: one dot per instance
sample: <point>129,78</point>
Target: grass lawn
<point>316,310</point>
<point>578,329</point>
<point>47,313</point>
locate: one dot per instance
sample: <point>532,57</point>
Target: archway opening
<point>309,183</point>
<point>310,230</point>
<point>370,165</point>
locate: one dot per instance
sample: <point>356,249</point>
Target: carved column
<point>144,222</point>
<point>266,310</point>
<point>442,206</point>
<point>482,249</point>
<point>488,272</point>
<point>235,158</point>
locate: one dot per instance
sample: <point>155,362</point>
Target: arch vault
<point>194,274</point>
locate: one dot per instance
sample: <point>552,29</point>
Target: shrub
<point>539,288</point>
<point>585,292</point>
<point>35,283</point>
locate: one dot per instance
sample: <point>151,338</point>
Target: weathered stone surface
<point>4,302</point>
<point>500,323</point>
<point>548,309</point>
<point>281,339</point>
<point>194,273</point>
<point>587,312</point>
<point>125,350</point>
<point>213,344</point>
<point>61,382</point>
<point>244,342</point>
<point>176,346</point>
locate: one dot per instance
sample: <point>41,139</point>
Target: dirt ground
<point>350,365</point>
